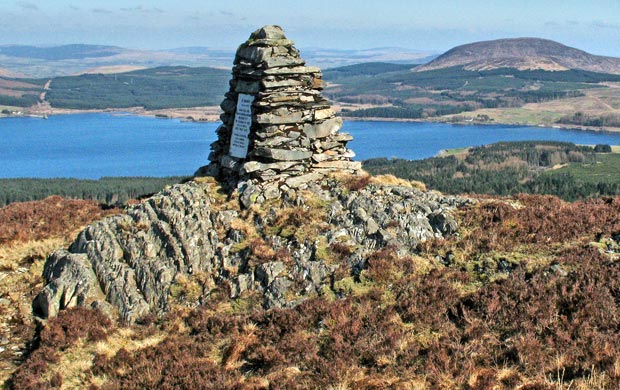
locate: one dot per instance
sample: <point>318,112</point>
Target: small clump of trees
<point>600,148</point>
<point>581,119</point>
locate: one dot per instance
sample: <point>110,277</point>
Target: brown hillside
<point>29,231</point>
<point>111,69</point>
<point>8,73</point>
<point>522,53</point>
<point>50,217</point>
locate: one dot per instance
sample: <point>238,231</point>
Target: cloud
<point>232,15</point>
<point>101,11</point>
<point>26,5</point>
<point>565,23</point>
<point>74,7</point>
<point>605,24</point>
<point>143,10</point>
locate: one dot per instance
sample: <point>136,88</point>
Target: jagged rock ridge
<point>522,54</point>
<point>132,261</point>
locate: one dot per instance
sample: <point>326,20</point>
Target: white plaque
<point>240,137</point>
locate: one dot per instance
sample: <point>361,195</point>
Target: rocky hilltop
<point>284,250</point>
<point>283,213</point>
<point>522,54</point>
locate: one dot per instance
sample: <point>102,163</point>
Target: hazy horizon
<point>416,25</point>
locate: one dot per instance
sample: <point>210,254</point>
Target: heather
<point>524,296</point>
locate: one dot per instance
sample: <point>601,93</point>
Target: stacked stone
<point>294,138</point>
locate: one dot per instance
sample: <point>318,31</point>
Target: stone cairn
<point>278,133</point>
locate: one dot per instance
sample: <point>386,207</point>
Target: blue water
<point>96,145</point>
<point>414,140</point>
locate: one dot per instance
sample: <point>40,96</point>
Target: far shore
<point>212,114</point>
<point>473,123</point>
<point>195,114</point>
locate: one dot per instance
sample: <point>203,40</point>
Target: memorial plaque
<point>240,137</point>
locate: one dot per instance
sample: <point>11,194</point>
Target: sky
<point>435,25</point>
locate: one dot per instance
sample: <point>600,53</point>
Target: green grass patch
<point>452,152</point>
<point>606,169</point>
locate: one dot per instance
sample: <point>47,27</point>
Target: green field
<point>606,169</point>
<point>8,109</point>
<point>512,115</point>
<point>452,152</point>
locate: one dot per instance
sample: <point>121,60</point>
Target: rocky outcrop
<point>131,259</point>
<point>285,250</point>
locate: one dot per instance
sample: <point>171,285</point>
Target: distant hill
<point>20,92</point>
<point>153,88</point>
<point>112,69</point>
<point>8,73</point>
<point>202,50</point>
<point>329,58</point>
<point>365,69</point>
<point>64,52</point>
<point>68,60</point>
<point>522,54</point>
<point>322,57</point>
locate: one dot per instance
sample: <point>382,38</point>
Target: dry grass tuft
<point>74,363</point>
<point>392,180</point>
<point>355,182</point>
<point>21,266</point>
<point>20,254</point>
<point>29,232</point>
